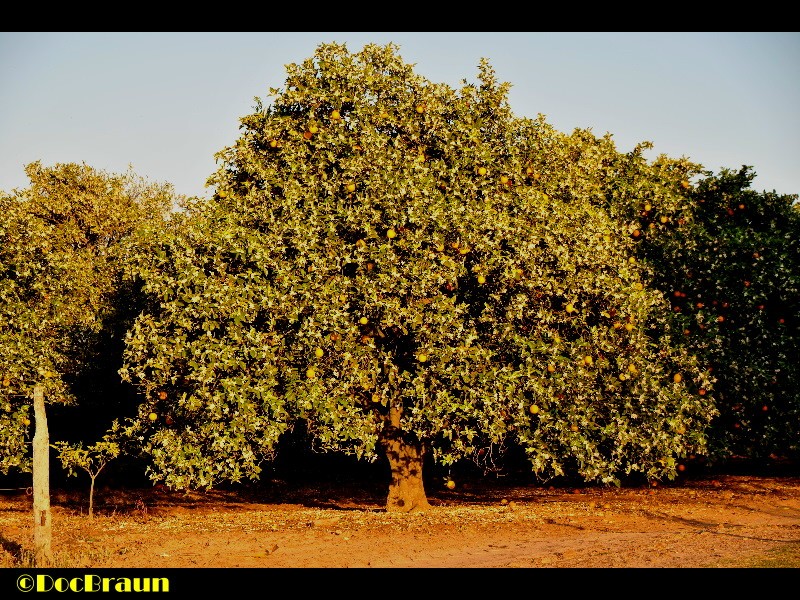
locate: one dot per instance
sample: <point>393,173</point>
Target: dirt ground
<point>710,522</point>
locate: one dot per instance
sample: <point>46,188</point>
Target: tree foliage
<point>59,270</point>
<point>410,269</point>
<point>733,278</point>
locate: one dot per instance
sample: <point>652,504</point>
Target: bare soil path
<point>723,521</point>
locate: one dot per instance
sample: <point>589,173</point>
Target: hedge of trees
<point>412,272</point>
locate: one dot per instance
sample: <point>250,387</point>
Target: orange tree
<point>382,260</point>
<point>60,284</point>
<point>732,272</point>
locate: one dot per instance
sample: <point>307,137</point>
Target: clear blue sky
<point>165,102</point>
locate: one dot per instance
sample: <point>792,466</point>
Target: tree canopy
<point>410,269</point>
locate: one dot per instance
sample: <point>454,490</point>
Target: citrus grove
<point>409,272</point>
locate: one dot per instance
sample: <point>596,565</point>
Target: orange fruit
<point>648,206</point>
<point>391,234</point>
<point>534,409</point>
<point>319,352</point>
<point>351,187</point>
<point>273,143</point>
<point>503,179</point>
<point>162,395</point>
<point>26,421</point>
<point>311,373</point>
<point>422,358</point>
<point>481,170</point>
<point>336,115</point>
<point>677,378</point>
<point>629,326</point>
<point>481,279</point>
<point>313,129</point>
<point>420,108</point>
<point>308,135</point>
<point>451,485</point>
<point>551,368</point>
<point>363,320</point>
<point>152,416</point>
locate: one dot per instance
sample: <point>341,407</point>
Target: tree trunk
<point>91,497</point>
<point>406,489</point>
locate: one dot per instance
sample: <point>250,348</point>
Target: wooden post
<point>42,524</point>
